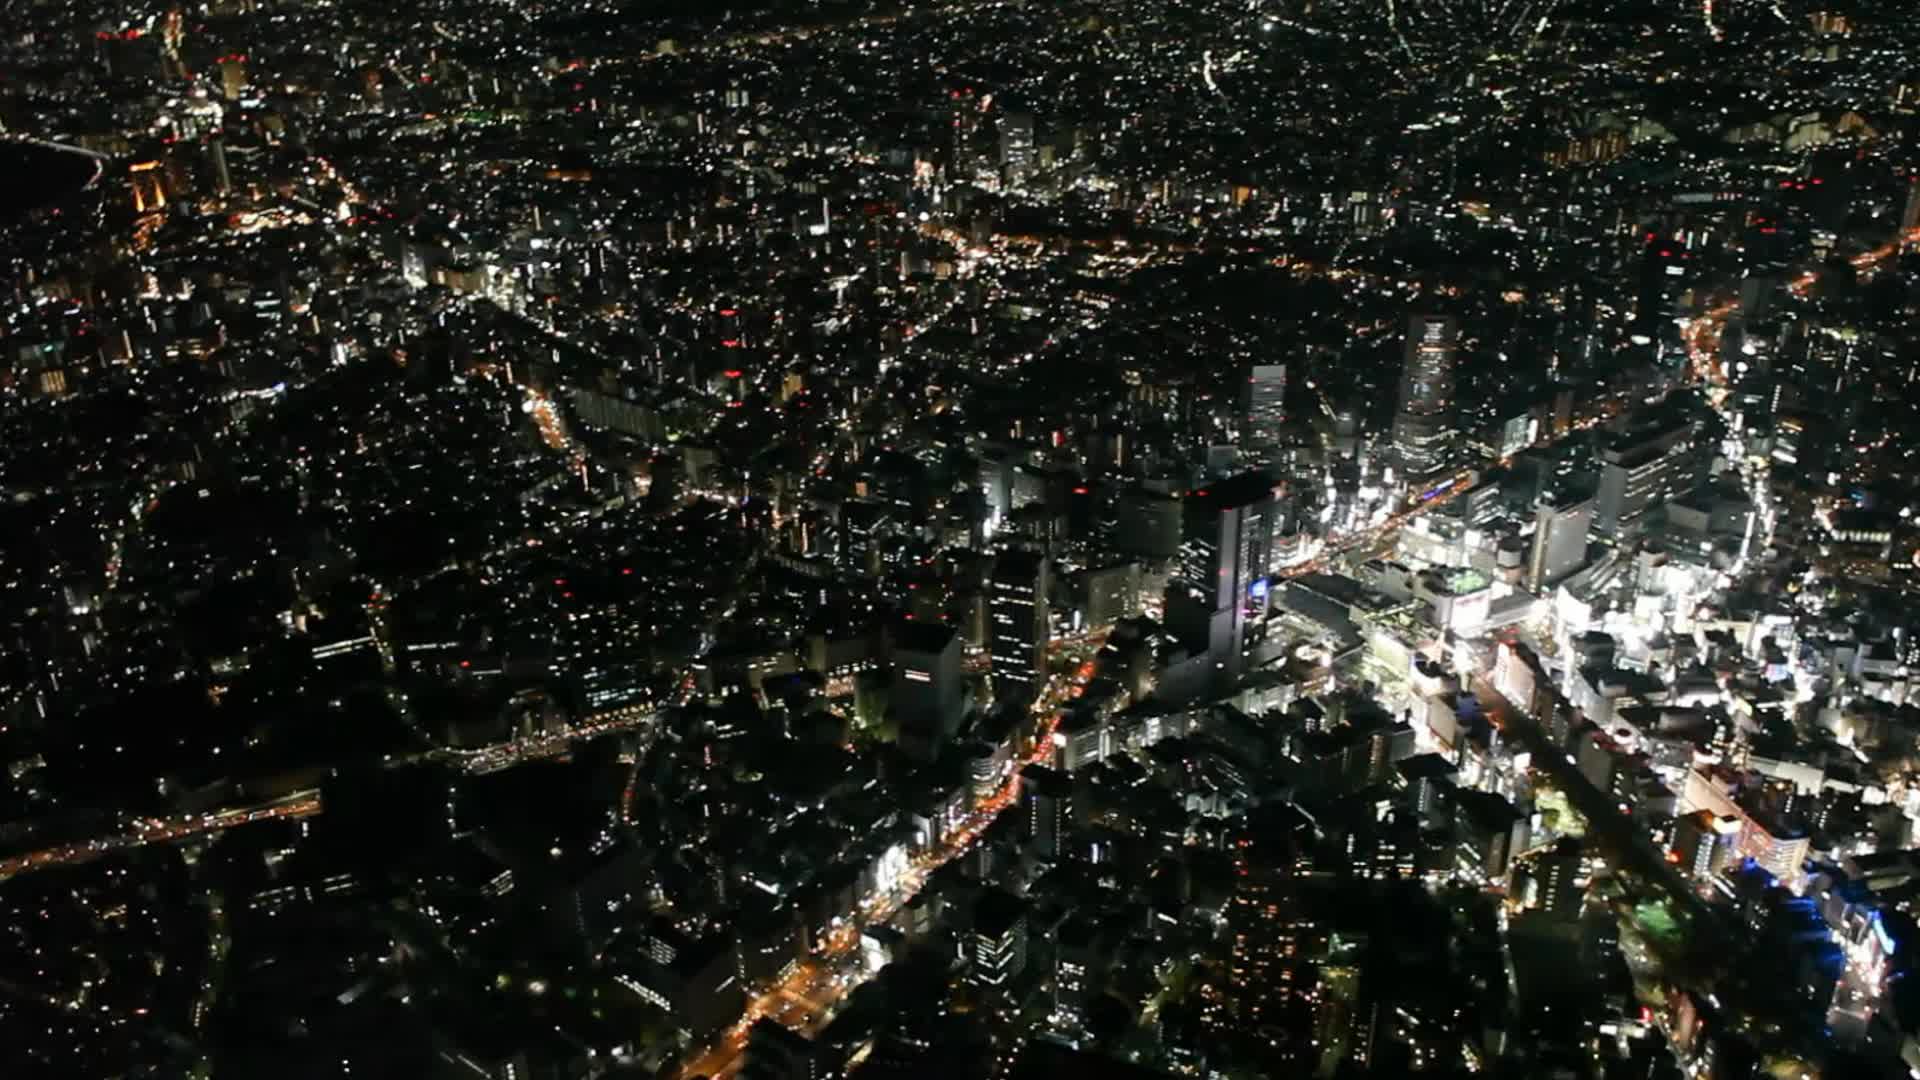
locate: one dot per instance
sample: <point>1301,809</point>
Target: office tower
<point>730,328</point>
<point>1776,845</point>
<point>1111,593</point>
<point>222,174</point>
<point>1016,144</point>
<point>1223,561</point>
<point>1424,434</point>
<point>1077,955</point>
<point>1048,794</point>
<point>996,483</point>
<point>1266,411</point>
<point>130,53</point>
<point>1148,524</point>
<point>1346,1018</point>
<point>1272,932</point>
<point>1427,778</point>
<point>1559,543</point>
<point>1018,623</point>
<point>1704,843</point>
<point>1560,886</point>
<point>777,1052</point>
<point>693,979</point>
<point>1488,829</point>
<point>1029,487</point>
<point>966,127</point>
<point>928,685</point>
<point>1639,473</point>
<point>149,187</point>
<point>233,77</point>
<point>1664,280</point>
<point>998,948</point>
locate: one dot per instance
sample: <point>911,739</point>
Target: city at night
<point>960,539</point>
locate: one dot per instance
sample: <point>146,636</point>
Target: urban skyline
<point>819,539</point>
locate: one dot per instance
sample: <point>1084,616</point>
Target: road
<point>496,756</point>
<point>162,830</point>
<point>141,832</point>
<point>806,998</point>
<point>1702,333</point>
<point>1627,848</point>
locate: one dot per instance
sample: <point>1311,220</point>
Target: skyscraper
<point>1016,144</point>
<point>1640,473</point>
<point>1423,427</point>
<point>999,946</point>
<point>1223,561</point>
<point>1559,543</point>
<point>1559,882</point>
<point>928,685</point>
<point>966,129</point>
<point>1271,928</point>
<point>1048,795</point>
<point>1266,411</point>
<point>233,77</point>
<point>1017,623</point>
<point>1664,280</point>
<point>222,174</point>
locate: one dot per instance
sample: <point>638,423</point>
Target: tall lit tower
<point>1228,542</point>
<point>1266,406</point>
<point>1424,435</point>
<point>1018,623</point>
<point>1665,271</point>
<point>966,125</point>
<point>1016,144</point>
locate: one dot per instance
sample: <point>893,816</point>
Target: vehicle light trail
<point>162,830</point>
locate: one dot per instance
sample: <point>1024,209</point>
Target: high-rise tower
<point>1017,623</point>
<point>1266,411</point>
<point>1223,561</point>
<point>1424,433</point>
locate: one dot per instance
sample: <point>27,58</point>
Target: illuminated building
<point>149,187</point>
<point>1076,958</point>
<point>695,980</point>
<point>728,327</point>
<point>1223,561</point>
<point>1112,593</point>
<point>1018,623</point>
<point>1148,524</point>
<point>1703,844</point>
<point>1775,846</point>
<point>1559,882</point>
<point>997,948</point>
<point>1266,411</point>
<point>1639,473</point>
<point>1664,262</point>
<point>1488,829</point>
<point>1559,545</point>
<point>222,172</point>
<point>928,685</point>
<point>777,1051</point>
<point>1016,145</point>
<point>233,77</point>
<point>1424,434</point>
<point>1346,1018</point>
<point>966,129</point>
<point>1270,938</point>
<point>1048,795</point>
